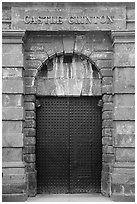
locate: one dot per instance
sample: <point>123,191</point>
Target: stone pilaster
<point>14,174</point>
<point>122,174</point>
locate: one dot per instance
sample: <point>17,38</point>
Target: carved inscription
<point>71,20</point>
<point>68,18</point>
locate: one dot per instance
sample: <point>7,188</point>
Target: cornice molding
<point>13,37</point>
<point>123,37</point>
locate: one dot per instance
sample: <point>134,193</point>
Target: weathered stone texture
<point>30,167</point>
<point>14,188</point>
<point>124,134</point>
<point>52,44</point>
<point>107,115</point>
<point>29,106</point>
<point>131,25</point>
<point>12,72</point>
<point>106,72</point>
<point>107,123</point>
<point>12,126</point>
<point>107,106</point>
<point>124,80</point>
<point>32,184</point>
<point>11,154</point>
<point>124,107</point>
<point>6,25</point>
<point>105,183</point>
<point>30,90</point>
<point>12,113</point>
<point>68,44</point>
<point>68,87</point>
<point>12,140</point>
<point>79,43</point>
<point>29,141</point>
<point>30,98</point>
<point>130,13</point>
<point>6,13</point>
<point>124,140</point>
<point>101,55</point>
<point>106,89</point>
<point>12,86</point>
<point>30,115</point>
<point>124,113</point>
<point>11,100</point>
<point>108,149</point>
<point>123,188</point>
<point>29,132</point>
<point>101,42</point>
<point>122,100</point>
<point>30,123</point>
<point>29,150</point>
<point>108,158</point>
<point>107,132</point>
<point>32,64</point>
<point>13,178</point>
<point>13,170</point>
<point>30,72</point>
<point>123,178</point>
<point>14,197</point>
<point>124,55</point>
<point>107,80</point>
<point>107,140</point>
<point>31,54</point>
<point>29,158</point>
<point>29,81</point>
<point>13,164</point>
<point>123,198</point>
<point>125,154</point>
<point>124,127</point>
<point>107,98</point>
<point>12,55</point>
<point>104,63</point>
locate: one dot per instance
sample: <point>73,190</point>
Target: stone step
<point>14,197</point>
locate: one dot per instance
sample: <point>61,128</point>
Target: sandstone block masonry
<point>123,175</point>
<point>111,49</point>
<point>13,116</point>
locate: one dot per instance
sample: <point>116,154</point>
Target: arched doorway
<point>69,142</point>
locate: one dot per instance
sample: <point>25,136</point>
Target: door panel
<point>52,146</point>
<point>85,145</point>
<point>68,145</point>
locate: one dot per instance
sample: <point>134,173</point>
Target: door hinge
<point>37,103</point>
<point>100,103</point>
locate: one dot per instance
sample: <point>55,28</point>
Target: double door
<point>68,146</point>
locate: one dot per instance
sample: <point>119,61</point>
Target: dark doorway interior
<point>69,145</point>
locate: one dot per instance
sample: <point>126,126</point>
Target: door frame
<point>29,156</point>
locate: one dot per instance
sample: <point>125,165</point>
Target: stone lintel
<point>13,37</point>
<point>123,37</point>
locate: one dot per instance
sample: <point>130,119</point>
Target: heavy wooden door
<point>69,148</point>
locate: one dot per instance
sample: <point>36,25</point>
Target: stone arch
<point>61,53</point>
<point>68,74</point>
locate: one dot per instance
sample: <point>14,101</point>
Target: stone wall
<point>13,116</point>
<point>113,54</point>
<point>123,175</point>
